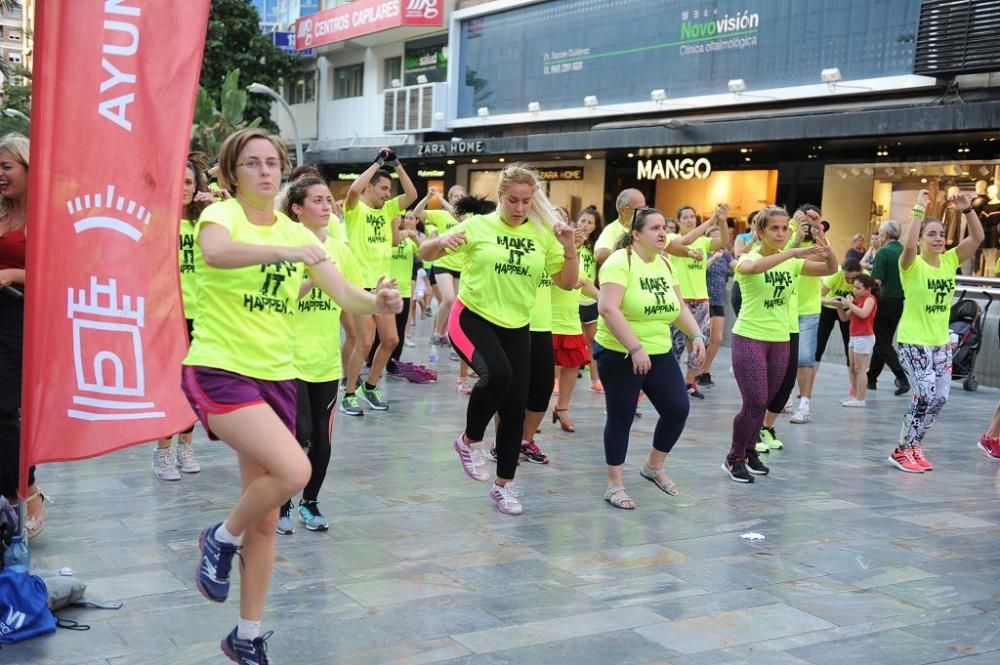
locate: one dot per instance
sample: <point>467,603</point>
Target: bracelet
<point>567,257</point>
<point>967,210</point>
<point>698,335</point>
<point>634,350</point>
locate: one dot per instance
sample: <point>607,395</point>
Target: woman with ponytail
<point>507,254</point>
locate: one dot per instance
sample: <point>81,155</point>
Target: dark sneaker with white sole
<point>246,652</point>
<point>737,470</point>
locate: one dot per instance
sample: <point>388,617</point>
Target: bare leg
<point>807,376</point>
<point>448,287</point>
<point>164,444</point>
<point>364,326</point>
<point>993,431</point>
<point>860,361</point>
<point>590,330</point>
<point>717,325</point>
<point>567,382</point>
<point>388,341</point>
<point>532,419</point>
<point>273,467</point>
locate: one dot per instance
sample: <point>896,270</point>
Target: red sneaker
<point>903,460</point>
<point>990,445</point>
<point>918,457</point>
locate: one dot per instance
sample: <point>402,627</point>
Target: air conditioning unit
<point>415,109</point>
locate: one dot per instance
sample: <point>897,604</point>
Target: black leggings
<point>777,404</point>
<point>827,319</point>
<point>11,350</point>
<point>314,429</point>
<point>543,376</point>
<point>401,320</point>
<point>502,359</point>
<point>663,385</point>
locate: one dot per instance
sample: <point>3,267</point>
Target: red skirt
<point>571,350</point>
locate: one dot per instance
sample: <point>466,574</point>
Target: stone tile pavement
<point>860,563</point>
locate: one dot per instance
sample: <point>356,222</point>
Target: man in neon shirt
<point>628,201</point>
<point>369,211</point>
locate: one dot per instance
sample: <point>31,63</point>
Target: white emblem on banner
<point>114,209</point>
<point>107,354</point>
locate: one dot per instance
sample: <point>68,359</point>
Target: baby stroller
<point>966,325</point>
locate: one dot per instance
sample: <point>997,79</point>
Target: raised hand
<point>387,298</point>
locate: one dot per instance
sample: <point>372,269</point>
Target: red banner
<point>112,105</point>
<point>364,17</point>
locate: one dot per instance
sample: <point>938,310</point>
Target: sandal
<point>653,475</point>
<point>35,525</point>
<point>564,424</point>
<point>622,498</point>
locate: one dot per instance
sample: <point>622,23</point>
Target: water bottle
<point>17,557</point>
<point>432,358</point>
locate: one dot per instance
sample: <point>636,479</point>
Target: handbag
<point>24,611</point>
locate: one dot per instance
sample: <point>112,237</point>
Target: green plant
<point>213,123</point>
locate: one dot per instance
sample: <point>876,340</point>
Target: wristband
<point>698,335</point>
<point>634,350</point>
<point>967,210</point>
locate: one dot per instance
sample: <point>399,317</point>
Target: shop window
<point>348,81</point>
<point>392,68</point>
<point>303,90</point>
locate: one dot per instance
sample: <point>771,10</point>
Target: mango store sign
<point>666,169</point>
<point>365,17</point>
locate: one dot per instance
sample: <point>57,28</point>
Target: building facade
<point>848,104</point>
<point>12,38</point>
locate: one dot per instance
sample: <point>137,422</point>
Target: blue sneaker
<point>246,652</point>
<point>285,526</point>
<point>310,516</point>
<point>215,565</point>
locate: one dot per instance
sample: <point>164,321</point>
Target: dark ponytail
<point>297,193</point>
<point>869,283</point>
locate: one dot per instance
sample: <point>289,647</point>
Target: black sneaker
<point>246,652</point>
<point>872,385</point>
<point>737,470</point>
<point>755,466</point>
<point>902,389</point>
<point>705,380</point>
<point>694,392</point>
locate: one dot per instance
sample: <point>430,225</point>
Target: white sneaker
<point>506,499</point>
<point>410,343</point>
<point>163,464</point>
<point>185,458</point>
<point>853,403</point>
<point>472,459</point>
<point>800,417</point>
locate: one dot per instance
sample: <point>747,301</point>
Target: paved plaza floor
<point>860,563</point>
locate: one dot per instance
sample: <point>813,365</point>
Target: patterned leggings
<point>701,312</point>
<point>759,368</point>
<point>928,369</point>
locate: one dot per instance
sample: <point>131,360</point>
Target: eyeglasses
<point>642,213</point>
<point>257,165</point>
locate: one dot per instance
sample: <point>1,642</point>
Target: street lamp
<point>261,89</point>
<point>14,113</point>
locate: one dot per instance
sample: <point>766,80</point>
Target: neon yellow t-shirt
<point>649,303</point>
<point>442,221</point>
<point>186,252</point>
<point>316,326</point>
<point>504,267</point>
<point>766,299</point>
<point>793,305</point>
<point>927,293</point>
<point>566,311</point>
<point>838,286</point>
<point>588,270</point>
<point>810,295</point>
<point>401,266</point>
<point>336,228</point>
<point>691,274</point>
<point>369,232</point>
<point>245,314</point>
<point>541,313</point>
<point>610,236</point>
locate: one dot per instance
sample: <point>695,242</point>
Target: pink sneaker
<point>918,457</point>
<point>471,458</point>
<point>991,446</point>
<point>902,459</point>
<point>506,499</point>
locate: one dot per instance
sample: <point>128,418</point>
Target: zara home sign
<point>684,168</point>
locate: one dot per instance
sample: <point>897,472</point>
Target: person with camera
<point>369,213</point>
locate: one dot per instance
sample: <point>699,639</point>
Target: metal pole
<point>264,90</point>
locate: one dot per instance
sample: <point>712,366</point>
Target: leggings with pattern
<point>759,368</point>
<point>928,369</point>
<point>702,314</point>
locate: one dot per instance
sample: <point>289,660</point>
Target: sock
<point>804,403</point>
<point>247,629</point>
<point>223,535</point>
<point>349,394</point>
<point>369,386</point>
